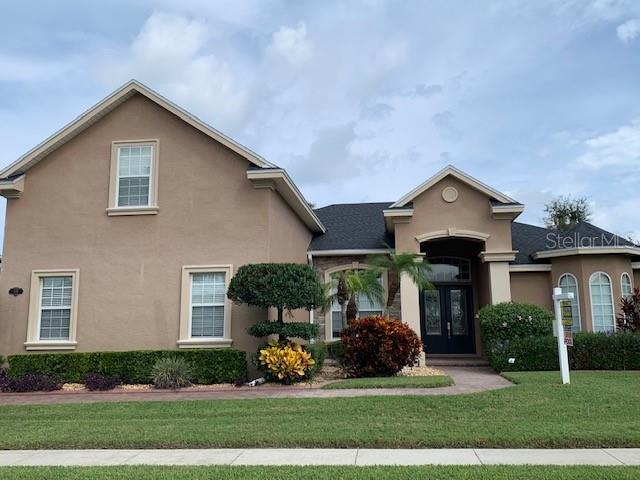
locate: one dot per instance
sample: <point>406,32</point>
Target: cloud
<point>176,55</point>
<point>291,44</point>
<point>620,148</point>
<point>628,31</point>
<point>29,69</point>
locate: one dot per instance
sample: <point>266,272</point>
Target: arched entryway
<point>448,309</point>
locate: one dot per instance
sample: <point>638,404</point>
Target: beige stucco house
<point>124,228</point>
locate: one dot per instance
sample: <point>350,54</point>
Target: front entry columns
<point>499,278</point>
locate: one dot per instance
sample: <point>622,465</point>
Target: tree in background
<point>398,264</point>
<point>564,212</point>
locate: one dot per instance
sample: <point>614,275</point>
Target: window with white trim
<point>569,284</point>
<point>366,307</point>
<point>626,286</point>
<point>55,308</point>
<point>602,309</point>
<point>134,175</point>
<point>208,293</point>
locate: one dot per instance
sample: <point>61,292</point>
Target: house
<point>124,228</point>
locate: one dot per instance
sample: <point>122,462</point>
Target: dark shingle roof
<point>359,226</point>
<point>352,226</point>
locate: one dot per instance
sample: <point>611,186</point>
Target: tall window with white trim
<point>207,305</point>
<point>626,286</point>
<point>569,284</point>
<point>55,308</point>
<point>134,175</point>
<point>602,311</point>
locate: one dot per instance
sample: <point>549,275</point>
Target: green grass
<point>392,382</point>
<point>598,409</point>
<point>322,473</point>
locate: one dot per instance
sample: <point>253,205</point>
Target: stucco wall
<point>532,287</point>
<point>471,211</point>
<point>636,278</point>
<point>130,266</point>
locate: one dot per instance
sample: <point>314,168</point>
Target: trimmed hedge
<point>506,321</point>
<point>208,366</point>
<point>590,351</point>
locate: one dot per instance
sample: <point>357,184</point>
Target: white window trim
<point>613,304</point>
<point>33,341</point>
<point>575,279</point>
<point>185,340</point>
<point>328,317</point>
<point>114,184</point>
<point>625,274</point>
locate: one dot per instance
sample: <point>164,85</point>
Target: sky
<point>360,100</point>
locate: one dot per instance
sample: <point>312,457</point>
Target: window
<point>602,313</point>
<point>449,269</point>
<point>53,303</point>
<point>625,285</point>
<point>207,304</point>
<point>205,312</point>
<point>134,173</point>
<point>569,284</point>
<point>366,308</point>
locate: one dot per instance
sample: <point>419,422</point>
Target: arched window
<point>625,285</point>
<point>569,284</point>
<point>449,269</point>
<point>366,308</point>
<point>602,313</point>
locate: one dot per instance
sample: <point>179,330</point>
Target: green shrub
<point>590,351</point>
<point>208,365</point>
<point>506,321</point>
<point>335,350</point>
<point>318,352</point>
<point>171,373</point>
<point>305,331</point>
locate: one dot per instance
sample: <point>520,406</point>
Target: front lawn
<point>598,409</point>
<point>323,473</point>
<point>392,382</point>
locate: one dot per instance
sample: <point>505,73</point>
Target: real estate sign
<point>567,322</point>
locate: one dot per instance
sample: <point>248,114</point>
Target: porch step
<point>454,361</point>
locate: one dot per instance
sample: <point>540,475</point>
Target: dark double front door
<point>446,313</point>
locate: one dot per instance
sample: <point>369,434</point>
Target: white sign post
<point>558,327</point>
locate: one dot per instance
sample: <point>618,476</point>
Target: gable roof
<point>360,226</point>
<point>99,110</point>
<point>450,170</point>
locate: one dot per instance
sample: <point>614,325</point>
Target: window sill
<point>118,211</point>
<point>51,345</point>
<point>205,343</point>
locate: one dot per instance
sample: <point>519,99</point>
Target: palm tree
<point>398,264</point>
<point>362,282</point>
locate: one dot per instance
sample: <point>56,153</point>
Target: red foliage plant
<point>375,346</point>
<point>629,319</point>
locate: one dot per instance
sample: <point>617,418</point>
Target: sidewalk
<point>301,456</point>
<point>467,380</point>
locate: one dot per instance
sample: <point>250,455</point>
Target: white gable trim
<point>463,177</point>
<point>106,105</point>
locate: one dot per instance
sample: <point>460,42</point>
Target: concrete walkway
<point>467,380</point>
<point>361,457</point>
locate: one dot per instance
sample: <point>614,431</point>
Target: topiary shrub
<point>171,373</point>
<point>95,381</point>
<point>506,321</point>
<point>305,331</point>
<point>286,362</point>
<point>375,346</point>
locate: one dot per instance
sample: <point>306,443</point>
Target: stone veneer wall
<point>322,264</point>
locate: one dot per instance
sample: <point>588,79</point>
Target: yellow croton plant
<point>287,362</point>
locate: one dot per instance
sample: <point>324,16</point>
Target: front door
<point>446,313</point>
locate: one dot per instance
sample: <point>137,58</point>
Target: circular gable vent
<point>449,194</point>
